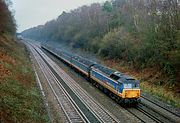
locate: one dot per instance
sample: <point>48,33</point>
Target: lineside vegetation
<point>20,99</point>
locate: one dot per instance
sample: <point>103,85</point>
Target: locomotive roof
<point>104,69</point>
<point>122,78</point>
<point>128,79</point>
<point>83,60</point>
<point>67,53</point>
<point>125,80</point>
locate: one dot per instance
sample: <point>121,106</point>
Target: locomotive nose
<point>131,93</point>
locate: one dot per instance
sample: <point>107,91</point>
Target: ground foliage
<point>20,100</point>
<point>143,33</point>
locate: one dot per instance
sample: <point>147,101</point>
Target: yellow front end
<point>131,93</point>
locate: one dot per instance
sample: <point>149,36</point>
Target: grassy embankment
<point>20,99</point>
<point>149,81</point>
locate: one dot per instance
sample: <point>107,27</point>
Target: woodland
<point>142,33</point>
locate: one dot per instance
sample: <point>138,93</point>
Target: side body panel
<point>105,82</point>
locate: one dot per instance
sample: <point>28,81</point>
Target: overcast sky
<point>30,13</point>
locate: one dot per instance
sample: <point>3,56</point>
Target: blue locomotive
<point>123,88</point>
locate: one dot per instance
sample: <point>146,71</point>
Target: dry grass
<point>162,93</point>
<point>20,100</point>
<point>4,72</point>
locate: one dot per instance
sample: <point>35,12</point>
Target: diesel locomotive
<point>121,87</point>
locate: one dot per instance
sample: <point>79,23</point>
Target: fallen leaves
<point>4,72</point>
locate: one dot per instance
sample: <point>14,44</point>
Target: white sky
<point>30,13</point>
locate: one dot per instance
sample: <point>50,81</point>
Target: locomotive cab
<point>129,87</point>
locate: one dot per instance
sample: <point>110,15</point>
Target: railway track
<point>72,113</point>
<point>159,109</point>
<point>146,115</point>
<point>172,111</point>
<point>98,111</point>
<point>149,111</point>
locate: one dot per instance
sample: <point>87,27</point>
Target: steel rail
<point>99,111</point>
<point>71,110</point>
<point>161,109</point>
